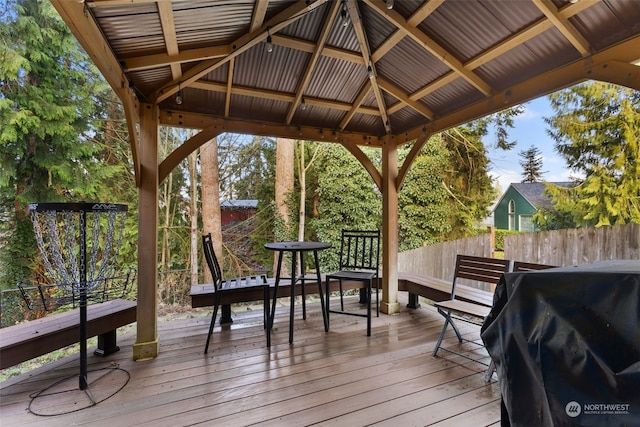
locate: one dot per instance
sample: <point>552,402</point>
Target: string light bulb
<point>389,4</point>
<point>179,95</point>
<point>343,14</point>
<point>269,42</point>
<point>303,105</point>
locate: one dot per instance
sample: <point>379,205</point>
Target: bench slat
<point>464,307</point>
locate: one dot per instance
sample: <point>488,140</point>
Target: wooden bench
<point>202,294</point>
<point>434,289</point>
<point>24,341</point>
<point>417,285</point>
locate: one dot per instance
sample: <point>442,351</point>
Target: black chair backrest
<point>360,250</point>
<point>212,261</point>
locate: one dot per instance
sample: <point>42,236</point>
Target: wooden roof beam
<point>355,107</point>
<point>505,46</point>
<point>284,97</point>
<point>416,18</point>
<point>84,28</point>
<point>568,31</point>
<point>322,40</point>
<point>165,10</point>
<point>404,98</point>
<point>356,22</point>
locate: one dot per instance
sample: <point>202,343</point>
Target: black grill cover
<point>566,345</point>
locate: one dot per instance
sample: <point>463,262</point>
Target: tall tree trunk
<point>285,153</point>
<point>211,221</point>
<point>165,254</point>
<point>193,184</point>
<point>302,179</point>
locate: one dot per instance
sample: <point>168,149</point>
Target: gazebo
<point>357,73</point>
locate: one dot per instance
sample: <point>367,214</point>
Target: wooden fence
<point>575,246</point>
<point>559,247</point>
<point>440,260</point>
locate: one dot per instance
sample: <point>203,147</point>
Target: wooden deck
<point>341,378</point>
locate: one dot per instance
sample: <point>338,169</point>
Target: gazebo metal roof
<point>351,71</point>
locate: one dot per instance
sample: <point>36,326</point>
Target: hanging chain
<point>57,235</point>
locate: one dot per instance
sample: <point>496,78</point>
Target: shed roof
<point>239,204</point>
<point>534,192</point>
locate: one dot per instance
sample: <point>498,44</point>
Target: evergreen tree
<point>423,202</point>
<point>596,127</point>
<point>531,164</point>
<point>346,196</point>
<point>467,179</point>
<point>48,113</point>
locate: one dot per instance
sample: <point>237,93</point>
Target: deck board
<point>340,378</point>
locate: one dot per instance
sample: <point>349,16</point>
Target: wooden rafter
<point>365,49</point>
<point>280,96</point>
<point>404,98</point>
<point>169,32</point>
<point>322,39</point>
<point>85,30</point>
<point>355,107</point>
<point>568,31</point>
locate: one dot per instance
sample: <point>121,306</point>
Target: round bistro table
<point>297,249</point>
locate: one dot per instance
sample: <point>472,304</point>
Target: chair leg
<point>377,298</point>
<point>326,301</point>
<point>266,317</point>
<point>489,373</point>
<point>341,298</point>
<point>304,293</point>
<point>444,330</point>
<point>369,308</point>
<point>213,321</point>
<point>448,320</point>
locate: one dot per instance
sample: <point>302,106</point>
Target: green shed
<point>516,207</point>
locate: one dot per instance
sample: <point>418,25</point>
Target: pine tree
<point>531,164</point>
<point>49,109</point>
<point>596,127</point>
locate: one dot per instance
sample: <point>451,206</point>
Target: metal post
<point>83,383</point>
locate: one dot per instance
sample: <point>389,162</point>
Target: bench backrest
<point>480,269</point>
<point>529,266</point>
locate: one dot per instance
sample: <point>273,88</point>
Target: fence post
<point>492,240</point>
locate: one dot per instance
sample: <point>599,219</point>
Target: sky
<point>529,129</point>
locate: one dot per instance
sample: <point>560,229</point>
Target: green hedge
<point>500,238</point>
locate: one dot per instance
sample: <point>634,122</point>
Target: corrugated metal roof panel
<point>334,79</point>
<point>410,66</point>
<point>452,96</point>
<point>616,20</point>
<point>525,60</point>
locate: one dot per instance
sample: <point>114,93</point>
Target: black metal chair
<point>241,284</point>
<point>359,261</point>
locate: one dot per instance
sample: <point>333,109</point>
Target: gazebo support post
<point>147,343</point>
<point>389,303</point>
